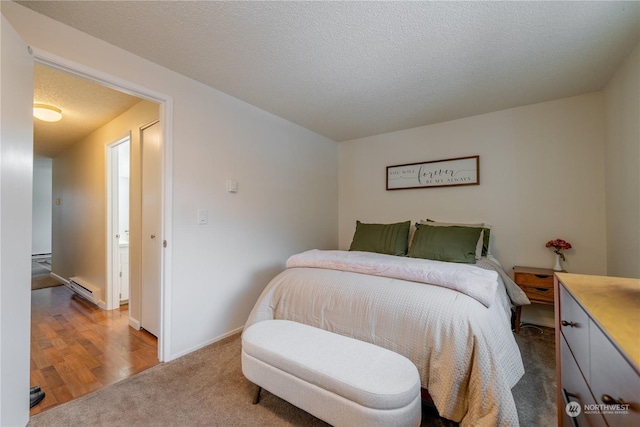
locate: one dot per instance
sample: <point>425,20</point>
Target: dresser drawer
<point>597,347</point>
<point>575,389</point>
<point>574,324</point>
<point>612,375</point>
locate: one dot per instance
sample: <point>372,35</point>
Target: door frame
<point>113,207</point>
<point>166,122</point>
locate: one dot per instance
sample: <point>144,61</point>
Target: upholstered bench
<point>340,380</point>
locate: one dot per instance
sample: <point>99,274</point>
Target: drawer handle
<point>608,400</point>
<point>542,276</point>
<point>543,289</point>
<point>572,324</point>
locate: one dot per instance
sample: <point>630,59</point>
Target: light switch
<point>232,185</point>
<point>203,216</point>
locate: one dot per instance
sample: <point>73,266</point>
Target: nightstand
<point>537,283</point>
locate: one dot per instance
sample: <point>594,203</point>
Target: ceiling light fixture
<point>47,113</point>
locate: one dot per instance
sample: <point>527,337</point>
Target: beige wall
<point>80,220</point>
<point>622,124</point>
<point>541,172</point>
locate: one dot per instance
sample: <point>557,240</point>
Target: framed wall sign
<point>437,173</point>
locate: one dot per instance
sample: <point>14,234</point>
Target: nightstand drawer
<point>539,294</point>
<point>534,280</point>
<point>537,284</point>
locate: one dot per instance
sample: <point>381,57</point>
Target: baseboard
<point>60,278</point>
<point>134,323</point>
<point>206,343</point>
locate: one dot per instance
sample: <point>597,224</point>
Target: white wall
<point>622,112</point>
<point>42,202</point>
<point>288,186</point>
<point>16,186</point>
<point>541,177</point>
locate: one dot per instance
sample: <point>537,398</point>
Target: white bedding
<point>475,282</point>
<point>465,351</point>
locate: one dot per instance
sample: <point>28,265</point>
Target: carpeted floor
<point>40,268</point>
<point>42,282</point>
<point>535,394</point>
<point>207,388</point>
<point>40,275</point>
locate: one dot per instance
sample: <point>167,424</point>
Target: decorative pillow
<point>391,239</point>
<point>483,242</point>
<point>452,243</point>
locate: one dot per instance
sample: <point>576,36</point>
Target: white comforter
<point>466,278</point>
<point>465,351</point>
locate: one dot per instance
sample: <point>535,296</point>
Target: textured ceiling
<point>353,69</point>
<point>85,107</point>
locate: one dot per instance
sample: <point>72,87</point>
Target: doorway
<point>164,105</point>
<point>102,157</point>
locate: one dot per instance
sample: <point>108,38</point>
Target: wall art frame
<point>436,173</point>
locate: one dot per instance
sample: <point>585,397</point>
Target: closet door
<point>151,228</point>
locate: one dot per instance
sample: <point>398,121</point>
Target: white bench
<point>340,380</point>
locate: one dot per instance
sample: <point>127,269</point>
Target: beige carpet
<point>42,282</point>
<point>40,276</point>
<point>207,388</point>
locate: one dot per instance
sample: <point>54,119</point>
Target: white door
<point>151,228</point>
<point>118,171</point>
<point>124,173</point>
<point>16,187</point>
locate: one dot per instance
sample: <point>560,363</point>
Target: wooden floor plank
<point>78,348</point>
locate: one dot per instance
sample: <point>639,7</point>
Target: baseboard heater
<point>84,289</point>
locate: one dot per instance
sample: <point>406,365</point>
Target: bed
<point>451,319</point>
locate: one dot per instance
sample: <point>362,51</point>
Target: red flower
<point>558,246</point>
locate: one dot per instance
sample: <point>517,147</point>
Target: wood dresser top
<point>614,303</point>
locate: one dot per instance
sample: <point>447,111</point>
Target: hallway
<point>77,348</point>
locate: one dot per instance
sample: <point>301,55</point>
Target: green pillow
<point>453,244</point>
<point>391,239</point>
<point>484,251</point>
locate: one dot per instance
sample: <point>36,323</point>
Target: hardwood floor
<point>77,348</point>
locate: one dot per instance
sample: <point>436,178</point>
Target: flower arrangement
<point>558,246</point>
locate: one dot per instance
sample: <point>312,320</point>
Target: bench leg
<point>256,395</point>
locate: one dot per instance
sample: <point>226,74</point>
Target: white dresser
<point>597,350</point>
